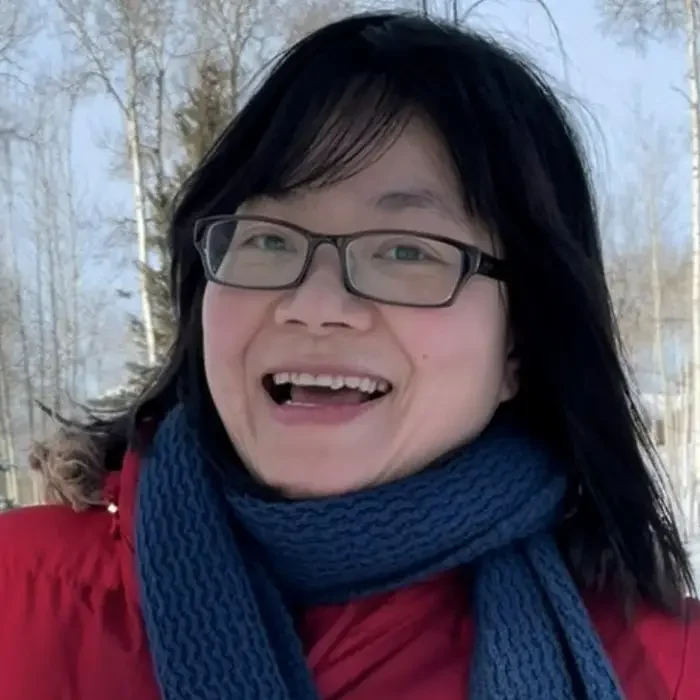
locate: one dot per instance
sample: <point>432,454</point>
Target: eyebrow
<point>419,198</point>
<point>401,199</point>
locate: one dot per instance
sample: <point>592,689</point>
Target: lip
<point>320,415</point>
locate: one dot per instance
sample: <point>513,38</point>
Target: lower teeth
<point>305,404</point>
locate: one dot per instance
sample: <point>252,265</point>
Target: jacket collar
<point>120,496</point>
<point>120,501</point>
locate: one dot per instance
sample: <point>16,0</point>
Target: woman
<point>393,452</point>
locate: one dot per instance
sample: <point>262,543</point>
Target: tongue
<point>326,397</point>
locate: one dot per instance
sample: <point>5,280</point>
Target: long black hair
<point>329,105</point>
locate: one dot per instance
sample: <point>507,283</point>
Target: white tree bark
<point>693,90</point>
<point>7,442</point>
<point>116,36</point>
<point>654,223</point>
<point>139,190</point>
<point>685,442</point>
<point>74,324</point>
<point>20,307</point>
<point>41,351</point>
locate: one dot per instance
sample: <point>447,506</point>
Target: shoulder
<point>689,682</point>
<point>56,542</point>
<point>70,624</point>
<point>84,549</point>
<point>655,654</point>
<point>56,567</point>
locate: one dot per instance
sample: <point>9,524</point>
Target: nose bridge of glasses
<point>321,291</point>
<point>319,242</point>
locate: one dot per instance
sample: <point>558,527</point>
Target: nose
<point>321,303</point>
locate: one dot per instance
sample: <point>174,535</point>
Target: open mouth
<point>303,389</point>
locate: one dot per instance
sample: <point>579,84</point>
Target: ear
<point>511,376</point>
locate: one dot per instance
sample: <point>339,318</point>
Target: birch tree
<point>640,21</point>
<point>656,193</point>
<point>297,21</point>
<point>7,382</point>
<point>243,35</point>
<point>645,265</point>
<point>121,46</point>
<point>18,26</point>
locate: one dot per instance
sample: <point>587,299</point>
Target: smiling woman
<point>393,453</point>
<point>393,235</point>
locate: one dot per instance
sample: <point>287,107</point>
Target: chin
<point>308,484</point>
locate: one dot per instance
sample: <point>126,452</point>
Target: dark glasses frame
<point>474,260</point>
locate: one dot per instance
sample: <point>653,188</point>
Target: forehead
<point>413,172</point>
<point>415,159</point>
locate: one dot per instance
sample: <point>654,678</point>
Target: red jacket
<point>71,628</point>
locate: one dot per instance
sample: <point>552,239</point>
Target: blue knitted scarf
<point>221,569</point>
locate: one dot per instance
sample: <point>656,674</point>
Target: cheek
<point>468,339</point>
<point>230,321</point>
<point>458,357</point>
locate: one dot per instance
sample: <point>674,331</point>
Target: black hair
<point>329,105</point>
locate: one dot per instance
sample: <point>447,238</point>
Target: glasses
<point>403,268</point>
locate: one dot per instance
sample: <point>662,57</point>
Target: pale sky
<point>607,78</point>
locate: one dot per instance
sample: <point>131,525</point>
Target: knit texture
<point>221,567</point>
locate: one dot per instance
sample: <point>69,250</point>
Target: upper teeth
<point>332,381</point>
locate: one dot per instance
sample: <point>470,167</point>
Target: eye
<point>266,242</point>
<point>405,252</point>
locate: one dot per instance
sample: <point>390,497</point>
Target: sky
<point>607,79</point>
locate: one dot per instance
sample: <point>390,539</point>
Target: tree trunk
<point>693,78</point>
<point>73,322</point>
<point>18,301</point>
<point>654,224</point>
<point>139,189</point>
<point>7,457</point>
<point>685,436</point>
<point>40,242</point>
<point>53,283</point>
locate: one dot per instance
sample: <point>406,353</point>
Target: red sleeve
<point>66,629</point>
<point>689,683</point>
<point>655,655</point>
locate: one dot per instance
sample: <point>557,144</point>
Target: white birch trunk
<point>693,77</point>
<point>7,455</point>
<point>41,314</point>
<point>139,190</point>
<point>74,325</point>
<point>18,298</point>
<point>666,407</point>
<point>684,436</point>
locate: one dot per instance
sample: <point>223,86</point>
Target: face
<point>448,368</point>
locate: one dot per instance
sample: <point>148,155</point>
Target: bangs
<point>333,105</point>
<point>324,133</point>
